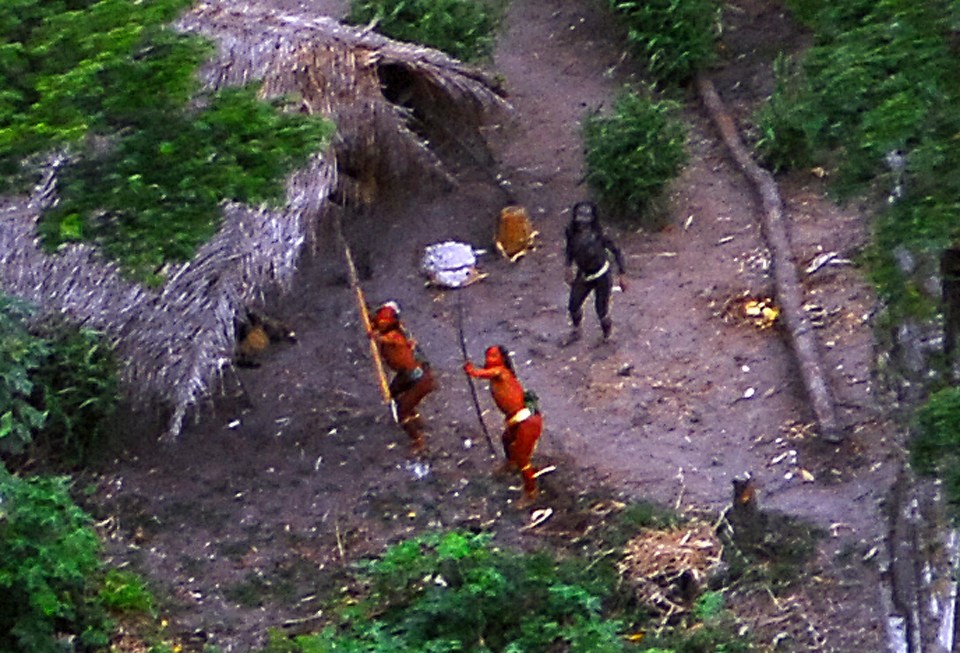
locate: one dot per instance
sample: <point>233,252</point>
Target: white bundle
<point>450,264</point>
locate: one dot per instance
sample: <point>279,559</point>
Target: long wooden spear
<point>473,387</point>
<point>364,315</point>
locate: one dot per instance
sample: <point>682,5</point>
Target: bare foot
<point>570,338</point>
<point>527,500</point>
<point>504,468</point>
<point>418,445</point>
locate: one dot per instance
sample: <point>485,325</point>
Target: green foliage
<point>151,160</point>
<point>464,29</point>
<point>934,446</point>
<point>70,68</point>
<point>674,37</point>
<point>77,387</point>
<point>455,592</point>
<point>58,386</point>
<point>708,606</point>
<point>881,77</point>
<point>48,556</point>
<point>124,591</point>
<point>156,195</point>
<point>21,355</point>
<point>788,124</point>
<point>633,153</point>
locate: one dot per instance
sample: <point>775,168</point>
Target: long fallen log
<point>789,295</point>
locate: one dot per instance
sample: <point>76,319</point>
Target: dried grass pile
<point>668,566</point>
<point>176,341</point>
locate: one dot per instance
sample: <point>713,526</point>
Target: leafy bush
<point>150,159</point>
<point>455,592</point>
<point>21,354</point>
<point>881,77</point>
<point>445,592</point>
<point>77,388</point>
<point>633,153</point>
<point>935,447</point>
<point>48,558</point>
<point>58,386</point>
<point>464,29</point>
<point>674,37</point>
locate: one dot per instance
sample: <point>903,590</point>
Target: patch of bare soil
<point>253,515</point>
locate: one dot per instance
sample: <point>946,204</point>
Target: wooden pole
<point>473,387</point>
<point>364,314</point>
<point>789,294</point>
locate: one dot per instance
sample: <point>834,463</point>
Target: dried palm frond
<point>176,341</point>
<point>668,566</point>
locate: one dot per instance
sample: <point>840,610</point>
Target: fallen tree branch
<point>789,295</point>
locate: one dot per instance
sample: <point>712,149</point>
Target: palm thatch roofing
<point>175,342</point>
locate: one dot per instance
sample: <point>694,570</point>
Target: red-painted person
<point>523,421</point>
<point>413,380</point>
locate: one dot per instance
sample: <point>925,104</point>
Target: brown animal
<point>254,336</point>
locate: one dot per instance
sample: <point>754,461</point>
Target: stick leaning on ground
<point>364,315</point>
<point>473,387</point>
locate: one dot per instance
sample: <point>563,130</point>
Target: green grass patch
<point>123,591</point>
<point>464,29</point>
<point>674,38</point>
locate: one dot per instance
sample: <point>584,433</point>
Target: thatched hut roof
<point>175,341</point>
<point>379,92</point>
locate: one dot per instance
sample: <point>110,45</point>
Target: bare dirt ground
<point>251,515</point>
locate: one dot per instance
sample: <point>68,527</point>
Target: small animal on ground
<point>255,334</point>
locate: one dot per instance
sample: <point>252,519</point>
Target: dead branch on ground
<point>789,295</point>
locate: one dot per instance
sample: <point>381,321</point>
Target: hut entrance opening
<point>452,132</point>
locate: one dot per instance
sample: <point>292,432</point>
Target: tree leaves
<point>152,159</point>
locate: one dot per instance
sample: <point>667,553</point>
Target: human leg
<point>527,434</point>
<point>407,402</point>
<point>578,294</point>
<point>507,438</point>
<point>602,290</point>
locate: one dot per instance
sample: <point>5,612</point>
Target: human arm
<point>614,251</point>
<point>480,372</point>
<point>612,248</point>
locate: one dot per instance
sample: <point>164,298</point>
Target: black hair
<point>507,362</point>
<point>585,206</point>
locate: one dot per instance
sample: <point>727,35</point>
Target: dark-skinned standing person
<point>590,258</point>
